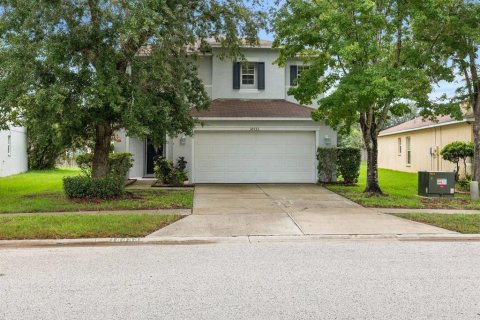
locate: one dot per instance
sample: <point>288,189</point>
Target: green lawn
<point>41,191</point>
<point>400,190</point>
<point>82,226</point>
<point>463,223</point>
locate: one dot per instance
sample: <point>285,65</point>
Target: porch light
<point>183,139</point>
<point>327,140</point>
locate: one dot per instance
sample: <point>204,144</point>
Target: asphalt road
<point>297,280</point>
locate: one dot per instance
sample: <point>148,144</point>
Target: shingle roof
<point>255,108</point>
<point>418,123</point>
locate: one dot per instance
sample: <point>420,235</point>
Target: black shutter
<point>261,75</point>
<point>236,75</point>
<point>293,75</point>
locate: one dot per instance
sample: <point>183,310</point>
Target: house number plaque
<point>254,129</point>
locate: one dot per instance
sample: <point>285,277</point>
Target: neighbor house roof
<point>255,108</point>
<point>419,123</point>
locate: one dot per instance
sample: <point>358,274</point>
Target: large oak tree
<point>102,65</point>
<point>366,63</point>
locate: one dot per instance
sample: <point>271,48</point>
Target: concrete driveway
<point>293,209</point>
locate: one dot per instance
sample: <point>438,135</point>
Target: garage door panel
<point>250,157</point>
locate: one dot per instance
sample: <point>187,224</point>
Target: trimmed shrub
<point>87,187</point>
<point>327,163</point>
<point>119,163</point>
<point>346,161</point>
<point>348,164</point>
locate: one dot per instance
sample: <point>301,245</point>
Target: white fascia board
<point>423,128</point>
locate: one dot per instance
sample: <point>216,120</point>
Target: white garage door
<point>251,157</point>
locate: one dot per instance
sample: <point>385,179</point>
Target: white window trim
<point>300,69</point>
<point>9,145</point>
<point>408,151</point>
<point>399,146</point>
<point>248,86</point>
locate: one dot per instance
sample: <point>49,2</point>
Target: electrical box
<point>436,184</point>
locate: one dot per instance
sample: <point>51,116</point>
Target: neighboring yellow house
<point>415,145</point>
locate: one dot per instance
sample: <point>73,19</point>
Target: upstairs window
<point>248,74</point>
<point>295,72</point>
<point>300,69</point>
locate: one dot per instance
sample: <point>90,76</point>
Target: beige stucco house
<point>415,145</point>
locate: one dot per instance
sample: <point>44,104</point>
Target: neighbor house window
<point>399,146</point>
<point>9,145</point>
<point>248,74</point>
<point>409,150</point>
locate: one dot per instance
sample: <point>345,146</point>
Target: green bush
<point>348,164</point>
<point>346,161</point>
<point>87,187</point>
<point>167,173</point>
<point>464,184</point>
<point>327,163</point>
<point>119,163</point>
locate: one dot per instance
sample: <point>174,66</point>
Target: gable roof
<point>419,123</point>
<point>254,108</point>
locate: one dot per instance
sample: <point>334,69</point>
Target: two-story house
<point>253,132</point>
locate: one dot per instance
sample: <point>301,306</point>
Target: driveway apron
<point>283,209</point>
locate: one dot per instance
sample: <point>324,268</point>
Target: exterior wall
<point>177,149</point>
<point>137,148</point>
<point>17,161</point>
<point>204,68</point>
<point>422,142</point>
<point>217,75</point>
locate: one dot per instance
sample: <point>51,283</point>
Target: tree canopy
<point>366,63</point>
<point>102,65</point>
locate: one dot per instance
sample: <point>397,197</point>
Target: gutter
<point>436,125</point>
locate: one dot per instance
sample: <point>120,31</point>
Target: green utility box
<point>436,184</point>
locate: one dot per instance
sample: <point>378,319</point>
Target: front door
<point>151,152</point>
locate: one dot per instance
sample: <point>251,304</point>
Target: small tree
<point>458,151</point>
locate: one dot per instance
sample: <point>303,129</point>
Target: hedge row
<point>87,187</point>
<point>344,161</point>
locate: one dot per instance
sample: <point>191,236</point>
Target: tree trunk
<point>370,137</point>
<point>372,167</point>
<point>476,141</point>
<point>103,136</point>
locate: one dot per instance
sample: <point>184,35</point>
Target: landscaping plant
<point>88,187</point>
<point>327,163</point>
<point>168,173</point>
<point>458,151</point>
<point>344,161</point>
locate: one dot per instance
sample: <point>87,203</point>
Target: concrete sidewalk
<point>183,212</point>
<point>284,210</point>
<point>440,211</point>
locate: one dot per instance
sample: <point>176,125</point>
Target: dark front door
<point>151,153</point>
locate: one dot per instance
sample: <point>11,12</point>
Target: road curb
<point>239,239</point>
